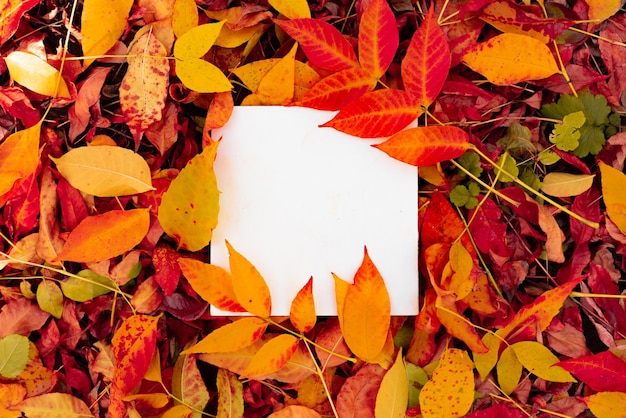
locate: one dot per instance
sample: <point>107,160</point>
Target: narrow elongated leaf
<point>189,208</point>
<point>427,62</point>
<point>302,312</point>
<point>19,156</point>
<point>426,145</point>
<point>13,355</point>
<point>35,74</point>
<point>272,356</point>
<point>324,45</point>
<point>540,361</point>
<point>277,85</point>
<point>105,170</point>
<point>378,38</point>
<point>377,114</point>
<point>10,16</point>
<point>231,337</point>
<point>566,184</point>
<point>613,182</point>
<point>50,298</point>
<point>250,287</point>
<point>607,404</point>
<point>187,383</point>
<point>366,312</point>
<point>509,370</point>
<point>98,38</point>
<point>450,392</point>
<point>229,394</point>
<point>602,372</point>
<point>511,58</point>
<point>338,89</point>
<point>393,396</point>
<point>450,317</point>
<point>100,237</point>
<point>54,405</point>
<point>197,41</point>
<point>291,9</point>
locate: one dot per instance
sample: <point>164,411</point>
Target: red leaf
<point>73,206</point>
<point>21,317</point>
<point>10,16</point>
<point>88,95</point>
<point>338,90</point>
<point>23,209</point>
<point>16,103</point>
<point>426,145</point>
<point>378,38</point>
<point>166,269</point>
<point>359,392</point>
<point>324,45</point>
<point>377,114</point>
<point>602,372</point>
<point>427,62</point>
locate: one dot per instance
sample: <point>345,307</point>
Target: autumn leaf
<point>272,356</point>
<point>302,312</point>
<point>97,38</point>
<point>21,317</point>
<point>510,58</point>
<point>277,85</point>
<point>50,298</point>
<point>231,337</point>
<point>601,10</point>
<point>393,396</point>
<point>101,237</point>
<point>19,156</point>
<point>86,286</point>
<point>14,355</point>
<point>229,395</point>
<point>602,372</point>
<point>613,182</point>
<point>295,411</point>
<point>54,405</point>
<point>249,286</point>
<point>35,74</point>
<point>184,17</point>
<point>189,208</point>
<point>338,90</point>
<point>509,370</point>
<point>378,38</point>
<point>566,184</point>
<point>539,360</point>
<point>187,383</point>
<point>105,170</point>
<point>607,404</point>
<point>10,17</point>
<point>291,9</point>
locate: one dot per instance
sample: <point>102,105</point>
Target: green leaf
<point>92,285</point>
<point>471,162</point>
<point>592,140</point>
<point>517,139</point>
<point>565,136</point>
<point>509,168</point>
<point>13,355</point>
<point>596,108</point>
<point>50,298</point>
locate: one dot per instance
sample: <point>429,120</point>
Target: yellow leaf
<point>450,392</point>
<point>155,400</point>
<point>184,17</point>
<point>272,356</point>
<point>153,373</point>
<point>87,287</point>
<point>487,360</point>
<point>197,41</point>
<point>19,156</point>
<point>252,74</point>
<point>105,170</point>
<point>566,184</point>
<point>100,237</point>
<point>509,58</point>
<point>202,76</point>
<point>35,74</point>
<point>98,38</point>
<point>393,396</point>
<point>366,312</point>
<point>230,38</point>
<point>607,404</point>
<point>509,371</point>
<point>277,86</point>
<point>178,411</point>
<point>250,288</point>
<point>456,274</point>
<point>187,384</point>
<point>613,185</point>
<point>540,361</point>
<point>302,311</point>
<point>601,10</point>
<point>291,9</point>
<point>231,337</point>
<point>189,208</point>
<point>229,395</point>
<point>50,298</point>
<point>54,405</point>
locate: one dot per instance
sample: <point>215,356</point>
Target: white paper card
<point>298,200</point>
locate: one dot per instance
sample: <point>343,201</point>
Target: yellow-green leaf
<point>250,287</point>
<point>393,396</point>
<point>197,41</point>
<point>50,298</point>
<point>566,184</point>
<point>613,186</point>
<point>19,156</point>
<point>184,17</point>
<point>509,371</point>
<point>232,337</point>
<point>187,383</point>
<point>272,356</point>
<point>105,170</point>
<point>540,361</point>
<point>98,37</point>
<point>291,9</point>
<point>510,58</point>
<point>486,361</point>
<point>450,392</point>
<point>202,76</point>
<point>607,404</point>
<point>35,74</point>
<point>89,286</point>
<point>13,355</point>
<point>189,208</point>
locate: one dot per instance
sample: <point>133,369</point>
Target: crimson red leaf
<point>602,372</point>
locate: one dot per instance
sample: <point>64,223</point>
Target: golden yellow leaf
<point>197,41</point>
<point>456,274</point>
<point>341,290</point>
<point>202,76</point>
<point>566,184</point>
<point>272,356</point>
<point>613,185</point>
<point>540,361</point>
<point>19,156</point>
<point>393,396</point>
<point>250,288</point>
<point>295,411</point>
<point>291,9</point>
<point>230,38</point>
<point>277,85</point>
<point>184,16</point>
<point>231,337</point>
<point>98,38</point>
<point>189,208</point>
<point>229,395</point>
<point>105,170</point>
<point>35,74</point>
<point>607,404</point>
<point>509,58</point>
<point>509,370</point>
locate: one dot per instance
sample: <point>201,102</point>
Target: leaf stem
<point>485,185</point>
<point>320,373</point>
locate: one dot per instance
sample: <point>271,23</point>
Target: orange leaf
<point>19,156</point>
<point>302,312</point>
<point>426,145</point>
<point>133,346</point>
<point>249,286</point>
<point>457,325</point>
<point>54,405</point>
<point>229,395</point>
<point>613,182</point>
<point>295,411</point>
<point>378,38</point>
<point>100,237</point>
<point>602,9</point>
<point>509,58</point>
<point>427,62</point>
<point>377,114</point>
<point>212,283</point>
<point>231,337</point>
<point>11,15</point>
<point>219,112</point>
<point>277,85</point>
<point>338,89</point>
<point>341,291</point>
<point>366,312</point>
<point>450,392</point>
<point>272,356</point>
<point>324,45</point>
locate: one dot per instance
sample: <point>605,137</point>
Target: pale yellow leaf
<point>102,23</point>
<point>566,184</point>
<point>393,396</point>
<point>509,371</point>
<point>105,171</point>
<point>510,58</point>
<point>54,405</point>
<point>540,361</point>
<point>197,41</point>
<point>607,404</point>
<point>202,76</point>
<point>35,74</point>
<point>184,17</point>
<point>291,9</point>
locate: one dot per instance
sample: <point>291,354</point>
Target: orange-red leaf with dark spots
<point>377,114</point>
<point>338,90</point>
<point>302,313</point>
<point>324,45</point>
<point>166,269</point>
<point>378,38</point>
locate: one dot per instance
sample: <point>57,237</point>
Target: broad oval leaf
<point>450,392</point>
<point>97,38</point>
<point>250,287</point>
<point>13,355</point>
<point>189,208</point>
<point>607,404</point>
<point>366,312</point>
<point>393,396</point>
<point>566,184</point>
<point>613,182</point>
<point>197,41</point>
<point>231,337</point>
<point>277,85</point>
<point>272,356</point>
<point>295,411</point>
<point>87,286</point>
<point>378,38</point>
<point>35,74</point>
<point>540,361</point>
<point>427,62</point>
<point>302,312</point>
<point>19,156</point>
<point>184,17</point>
<point>509,370</point>
<point>100,237</point>
<point>291,9</point>
<point>50,298</point>
<point>54,405</point>
<point>601,10</point>
<point>202,76</point>
<point>105,170</point>
<point>426,145</point>
<point>509,58</point>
